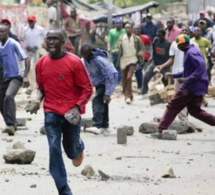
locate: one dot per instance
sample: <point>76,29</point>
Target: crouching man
<point>104,77</point>
<point>66,87</point>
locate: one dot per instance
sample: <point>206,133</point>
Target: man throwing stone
<point>66,87</point>
<point>194,84</point>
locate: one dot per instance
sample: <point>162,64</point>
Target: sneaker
<point>94,130</point>
<point>157,135</point>
<point>106,131</point>
<point>128,101</point>
<point>9,129</point>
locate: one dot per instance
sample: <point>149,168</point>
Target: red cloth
<point>146,40</point>
<point>68,47</point>
<point>65,82</point>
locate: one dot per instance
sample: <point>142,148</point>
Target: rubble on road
<point>169,135</point>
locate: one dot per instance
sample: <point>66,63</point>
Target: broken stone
<point>168,173</point>
<point>122,135</point>
<point>21,128</point>
<point>130,130</point>
<point>179,126</point>
<point>21,121</point>
<point>19,156</point>
<point>18,145</point>
<point>33,186</point>
<point>104,176</point>
<point>169,134</point>
<point>42,130</point>
<point>6,180</point>
<point>9,140</point>
<point>149,127</point>
<point>8,171</point>
<point>88,171</point>
<point>87,122</point>
<point>119,158</point>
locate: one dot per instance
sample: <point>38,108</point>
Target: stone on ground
<point>150,127</point>
<point>43,130</point>
<point>19,156</point>
<point>104,176</point>
<point>169,134</point>
<point>18,145</point>
<point>88,171</point>
<point>168,173</point>
<point>122,135</point>
<point>87,122</point>
<point>21,121</point>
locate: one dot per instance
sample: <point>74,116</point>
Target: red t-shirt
<point>146,40</point>
<point>65,82</point>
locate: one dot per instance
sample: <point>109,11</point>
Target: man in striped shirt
<point>15,73</point>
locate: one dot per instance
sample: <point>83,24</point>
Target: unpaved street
<point>135,168</point>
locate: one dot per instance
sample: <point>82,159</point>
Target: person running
<point>130,51</point>
<point>194,84</point>
<point>65,86</point>
<point>15,74</point>
<point>104,77</point>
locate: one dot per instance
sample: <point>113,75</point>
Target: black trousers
<point>100,109</point>
<point>8,89</point>
<point>149,73</point>
<point>75,42</point>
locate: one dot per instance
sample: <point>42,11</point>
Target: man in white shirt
<point>177,60</point>
<point>33,35</point>
<point>52,14</point>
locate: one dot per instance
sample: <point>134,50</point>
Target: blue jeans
<point>139,75</point>
<point>100,109</point>
<point>55,126</point>
<point>115,59</point>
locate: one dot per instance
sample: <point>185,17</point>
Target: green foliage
<point>128,3</point>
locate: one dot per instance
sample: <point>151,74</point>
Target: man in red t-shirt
<point>146,40</point>
<point>65,85</point>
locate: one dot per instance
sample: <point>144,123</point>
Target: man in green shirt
<point>113,37</point>
<point>203,43</point>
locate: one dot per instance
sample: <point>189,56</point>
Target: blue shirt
<point>102,71</point>
<point>194,71</point>
<point>149,29</point>
<point>11,58</point>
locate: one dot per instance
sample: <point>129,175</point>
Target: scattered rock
<point>150,127</point>
<point>119,158</point>
<point>42,130</point>
<point>33,186</point>
<point>104,176</point>
<point>9,139</point>
<point>130,130</point>
<point>21,128</point>
<point>6,180</point>
<point>87,122</point>
<point>169,134</point>
<point>8,171</point>
<point>180,126</point>
<point>121,135</point>
<point>88,171</point>
<point>18,145</point>
<point>168,173</point>
<point>19,156</point>
<point>21,121</point>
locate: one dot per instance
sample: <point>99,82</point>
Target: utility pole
<point>160,8</point>
<point>110,9</point>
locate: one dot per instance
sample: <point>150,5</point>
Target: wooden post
<point>110,8</point>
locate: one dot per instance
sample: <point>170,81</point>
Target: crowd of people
<point>65,81</point>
